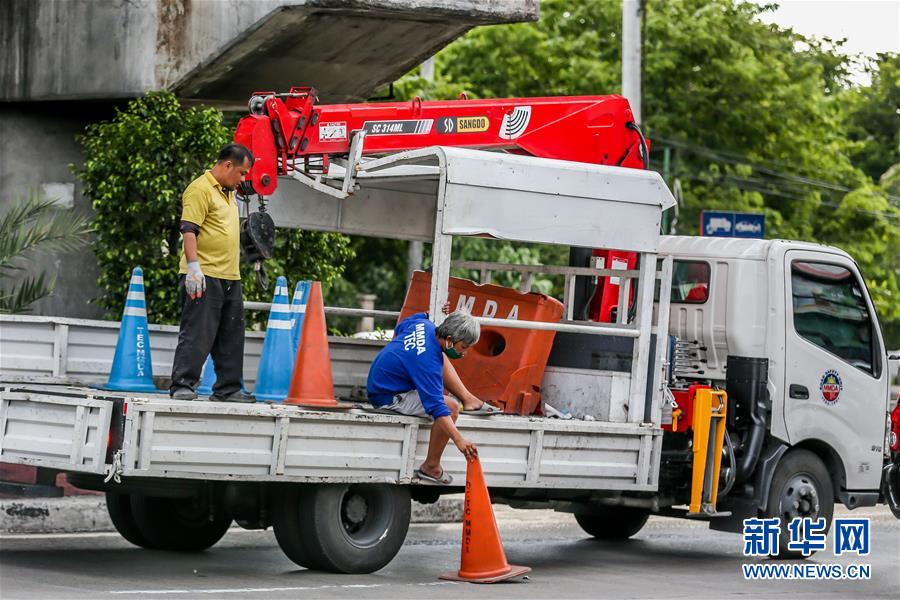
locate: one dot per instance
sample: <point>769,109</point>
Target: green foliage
<point>28,226</point>
<point>502,251</point>
<point>757,118</point>
<point>874,118</point>
<point>714,78</point>
<point>379,268</point>
<point>299,255</point>
<point>862,223</point>
<point>136,168</point>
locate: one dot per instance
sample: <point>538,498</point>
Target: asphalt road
<point>668,559</point>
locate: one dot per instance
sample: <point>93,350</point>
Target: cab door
<point>835,377</point>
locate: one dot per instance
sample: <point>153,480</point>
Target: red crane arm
<point>285,128</point>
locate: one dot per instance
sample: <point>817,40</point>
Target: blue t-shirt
<point>412,360</point>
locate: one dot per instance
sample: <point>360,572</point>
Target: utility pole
<point>632,11</point>
<point>427,70</point>
<point>416,249</point>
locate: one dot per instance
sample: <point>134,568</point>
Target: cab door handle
<point>798,391</point>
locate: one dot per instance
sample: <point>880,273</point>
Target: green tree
<point>379,268</point>
<point>757,118</point>
<point>730,93</point>
<point>135,169</point>
<point>300,255</point>
<point>29,226</point>
<point>874,117</point>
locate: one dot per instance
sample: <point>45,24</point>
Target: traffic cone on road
<point>298,310</point>
<point>132,367</point>
<point>483,559</point>
<point>274,375</point>
<point>311,384</point>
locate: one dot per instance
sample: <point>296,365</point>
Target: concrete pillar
<point>37,145</point>
<point>366,302</point>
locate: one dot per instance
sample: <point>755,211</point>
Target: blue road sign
<point>716,223</point>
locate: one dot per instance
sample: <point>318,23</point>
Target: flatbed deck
<point>68,428</point>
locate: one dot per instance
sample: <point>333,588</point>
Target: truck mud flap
<point>890,487</point>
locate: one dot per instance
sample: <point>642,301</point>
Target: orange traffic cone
<point>311,383</point>
<point>482,559</point>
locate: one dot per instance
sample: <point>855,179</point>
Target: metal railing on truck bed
<point>66,351</point>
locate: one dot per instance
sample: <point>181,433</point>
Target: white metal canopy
<point>437,193</point>
<point>521,198</point>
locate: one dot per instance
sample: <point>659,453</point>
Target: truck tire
<point>801,487</point>
<point>119,508</point>
<point>612,522</point>
<point>179,524</point>
<point>342,528</point>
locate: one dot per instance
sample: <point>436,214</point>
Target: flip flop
<point>444,479</point>
<point>485,410</point>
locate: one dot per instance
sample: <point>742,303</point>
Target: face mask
<point>451,352</point>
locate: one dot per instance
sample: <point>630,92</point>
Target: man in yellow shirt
<point>212,314</point>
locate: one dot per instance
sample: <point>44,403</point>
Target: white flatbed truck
<point>336,485</point>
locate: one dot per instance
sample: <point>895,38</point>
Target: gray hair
<point>460,326</point>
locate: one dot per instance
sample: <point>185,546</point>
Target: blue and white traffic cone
<point>207,378</point>
<point>298,310</point>
<point>277,360</point>
<point>132,368</point>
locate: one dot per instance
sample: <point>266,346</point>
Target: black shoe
<point>239,396</point>
<point>183,393</point>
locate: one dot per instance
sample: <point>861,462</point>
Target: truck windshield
<point>830,311</point>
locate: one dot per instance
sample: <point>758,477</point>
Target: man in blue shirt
<point>409,376</point>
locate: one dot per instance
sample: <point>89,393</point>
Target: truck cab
<point>803,310</point>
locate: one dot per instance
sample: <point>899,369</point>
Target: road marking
<point>245,590</point>
<point>232,531</point>
<point>53,536</point>
<point>93,534</point>
<point>276,589</point>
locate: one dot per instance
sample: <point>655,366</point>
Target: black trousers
<point>212,324</point>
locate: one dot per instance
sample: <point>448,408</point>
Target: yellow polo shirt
<point>215,212</point>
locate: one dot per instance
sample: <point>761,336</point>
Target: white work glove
<point>194,281</point>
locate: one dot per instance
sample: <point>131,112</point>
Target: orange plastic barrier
<point>506,366</point>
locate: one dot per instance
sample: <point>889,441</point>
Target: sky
<point>870,26</point>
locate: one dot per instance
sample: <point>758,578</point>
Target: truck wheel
<point>342,528</point>
<point>612,522</point>
<point>801,487</point>
<point>179,524</point>
<point>119,508</point>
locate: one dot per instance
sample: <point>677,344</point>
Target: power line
<point>743,160</point>
<point>749,185</point>
<point>739,159</point>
